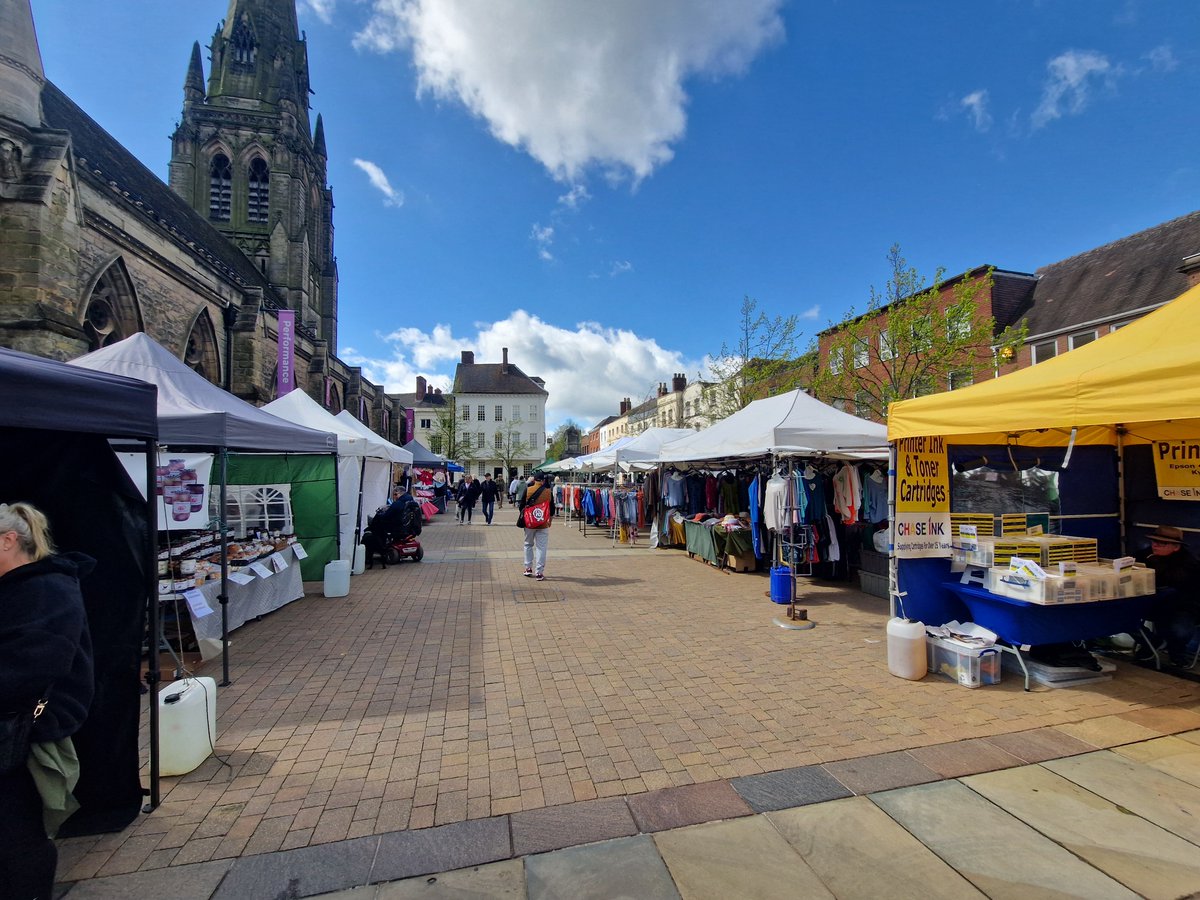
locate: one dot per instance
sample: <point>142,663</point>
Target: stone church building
<point>95,247</point>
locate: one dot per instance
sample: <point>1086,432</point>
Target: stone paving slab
<point>1147,859</point>
<point>998,853</point>
<point>1175,756</point>
<point>556,827</point>
<point>406,853</point>
<point>859,852</point>
<point>1040,744</point>
<point>789,787</point>
<point>741,858</point>
<point>302,872</point>
<point>495,881</point>
<point>675,807</point>
<point>625,867</point>
<point>1157,797</point>
<point>869,774</point>
<point>195,882</point>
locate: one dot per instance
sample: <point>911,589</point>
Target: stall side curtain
<point>313,478</point>
<point>95,509</point>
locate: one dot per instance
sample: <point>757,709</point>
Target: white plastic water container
<point>360,560</point>
<point>906,649</point>
<point>187,724</point>
<point>337,578</point>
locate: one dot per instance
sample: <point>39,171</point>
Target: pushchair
<point>391,534</point>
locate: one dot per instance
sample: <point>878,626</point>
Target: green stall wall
<point>314,499</point>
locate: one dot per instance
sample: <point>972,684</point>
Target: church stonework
<point>94,247</point>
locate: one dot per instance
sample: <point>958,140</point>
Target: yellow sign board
<point>1177,469</point>
<point>922,497</point>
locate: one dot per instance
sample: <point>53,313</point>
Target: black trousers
<point>27,857</point>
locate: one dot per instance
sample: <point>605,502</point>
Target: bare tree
<point>762,362</point>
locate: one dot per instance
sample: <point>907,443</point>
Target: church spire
<point>21,74</point>
<point>319,139</point>
<point>193,84</point>
<point>259,56</point>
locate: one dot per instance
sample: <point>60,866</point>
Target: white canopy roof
<point>584,463</point>
<point>638,448</point>
<point>389,450</point>
<point>297,406</point>
<point>194,412</point>
<point>788,424</point>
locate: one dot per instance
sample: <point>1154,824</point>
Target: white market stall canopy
<point>193,412</point>
<point>791,424</point>
<point>583,463</point>
<point>389,451</point>
<point>640,448</point>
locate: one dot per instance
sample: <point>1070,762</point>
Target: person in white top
<point>513,486</point>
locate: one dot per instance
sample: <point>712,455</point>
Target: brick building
<point>95,247</point>
<point>1063,305</point>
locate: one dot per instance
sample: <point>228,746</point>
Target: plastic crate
<point>875,585</point>
<point>969,666</point>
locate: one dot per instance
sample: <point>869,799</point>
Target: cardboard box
<point>741,563</point>
<point>969,666</point>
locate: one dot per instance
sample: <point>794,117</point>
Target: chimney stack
<point>662,389</point>
<point>504,364</point>
<point>468,357</point>
<point>679,382</point>
<point>437,392</point>
<point>422,386</point>
<point>625,406</point>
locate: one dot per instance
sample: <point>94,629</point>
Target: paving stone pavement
<point>638,725</point>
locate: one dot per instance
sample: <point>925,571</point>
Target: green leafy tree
<point>762,362</point>
<point>914,339</point>
<point>449,435</point>
<point>511,446</point>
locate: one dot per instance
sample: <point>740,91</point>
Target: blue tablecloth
<point>1020,622</point>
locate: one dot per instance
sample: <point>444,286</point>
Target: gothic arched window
<point>200,352</point>
<point>259,191</point>
<point>245,47</point>
<point>364,411</point>
<point>111,312</point>
<point>220,188</point>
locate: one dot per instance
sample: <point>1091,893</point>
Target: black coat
<point>467,494</point>
<point>488,490</point>
<point>44,642</point>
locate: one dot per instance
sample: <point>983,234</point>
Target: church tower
<point>246,157</point>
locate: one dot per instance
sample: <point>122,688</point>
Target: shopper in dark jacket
<point>489,491</point>
<point>466,494</point>
<point>45,653</point>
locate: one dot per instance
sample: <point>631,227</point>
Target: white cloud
<point>575,83</point>
<point>575,197</point>
<point>1068,88</point>
<point>322,9</point>
<point>976,105</point>
<point>813,312</point>
<point>543,238</point>
<point>587,368</point>
<point>379,181</point>
<point>1162,59</point>
<point>620,267</point>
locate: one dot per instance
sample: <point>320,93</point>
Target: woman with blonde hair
<point>45,672</point>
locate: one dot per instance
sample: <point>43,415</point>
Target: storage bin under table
<point>1021,623</point>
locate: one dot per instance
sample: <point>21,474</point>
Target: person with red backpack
<point>536,510</point>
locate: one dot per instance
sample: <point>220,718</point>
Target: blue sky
<point>597,185</point>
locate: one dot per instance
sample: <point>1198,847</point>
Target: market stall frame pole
<point>153,671</point>
<point>223,597</point>
<point>893,571</point>
<point>1120,429</point>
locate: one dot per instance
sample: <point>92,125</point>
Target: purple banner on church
<point>286,367</point>
<point>410,417</point>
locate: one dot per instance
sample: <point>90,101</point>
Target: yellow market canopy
<point>1144,377</point>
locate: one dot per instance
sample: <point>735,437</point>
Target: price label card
<point>260,570</point>
<point>278,563</point>
<point>240,578</point>
<point>968,537</point>
<point>197,604</point>
<point>299,550</point>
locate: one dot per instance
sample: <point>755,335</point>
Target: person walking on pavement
<point>537,511</point>
<point>466,494</point>
<point>514,486</point>
<point>488,492</point>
